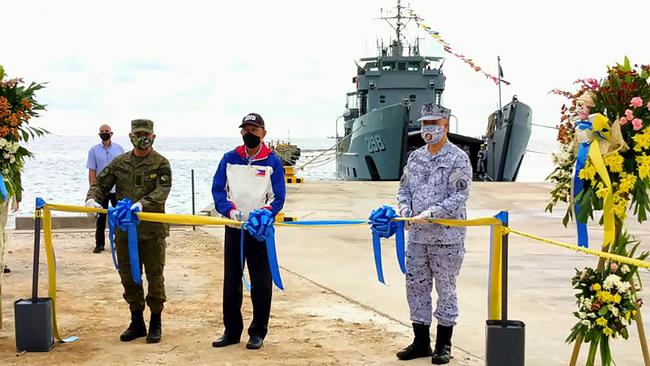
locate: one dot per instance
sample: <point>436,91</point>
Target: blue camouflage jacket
<point>438,183</point>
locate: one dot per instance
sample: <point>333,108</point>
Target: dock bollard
<point>33,317</point>
<point>505,339</point>
<point>289,175</point>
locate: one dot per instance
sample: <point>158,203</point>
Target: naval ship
<point>380,120</point>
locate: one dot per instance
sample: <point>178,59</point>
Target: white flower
<point>5,171</point>
<point>581,315</point>
<point>14,147</point>
<point>613,309</point>
<point>3,142</point>
<point>623,287</point>
<point>625,269</point>
<point>12,159</point>
<point>591,315</point>
<point>587,303</point>
<point>612,281</point>
<point>586,323</point>
<point>6,155</point>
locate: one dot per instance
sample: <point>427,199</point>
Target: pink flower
<point>649,106</point>
<point>636,102</point>
<point>629,114</point>
<point>637,124</point>
<point>613,267</point>
<point>623,121</point>
<point>593,83</point>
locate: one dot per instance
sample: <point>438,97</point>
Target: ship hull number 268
<point>375,144</point>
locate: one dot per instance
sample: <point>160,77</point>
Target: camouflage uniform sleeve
<point>404,192</point>
<point>460,179</point>
<point>158,196</point>
<point>103,183</point>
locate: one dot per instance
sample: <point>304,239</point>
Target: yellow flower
<point>627,315</point>
<point>643,163</point>
<point>605,296</point>
<point>642,140</point>
<point>615,162</point>
<point>601,321</point>
<point>617,299</point>
<point>607,331</point>
<point>601,190</point>
<point>620,207</point>
<point>588,172</point>
<point>595,287</point>
<point>626,183</point>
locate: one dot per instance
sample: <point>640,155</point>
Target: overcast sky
<point>196,67</point>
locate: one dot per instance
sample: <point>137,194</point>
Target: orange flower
<point>13,120</point>
<point>4,131</point>
<point>5,107</point>
<point>22,116</point>
<point>26,103</point>
<point>14,131</point>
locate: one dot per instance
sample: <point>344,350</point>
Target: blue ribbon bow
<point>581,160</point>
<point>260,227</point>
<point>126,220</point>
<point>382,225</point>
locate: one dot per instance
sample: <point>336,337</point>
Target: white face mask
<point>432,134</point>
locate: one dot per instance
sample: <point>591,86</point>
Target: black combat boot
<point>155,329</point>
<point>421,346</point>
<point>136,329</point>
<point>442,351</point>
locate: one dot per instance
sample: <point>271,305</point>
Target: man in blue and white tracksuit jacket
<point>249,177</point>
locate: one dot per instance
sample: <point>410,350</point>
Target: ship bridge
<point>393,78</point>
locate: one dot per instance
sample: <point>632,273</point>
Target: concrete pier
<point>540,291</point>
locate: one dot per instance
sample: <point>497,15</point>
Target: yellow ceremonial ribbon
<point>153,217</point>
<point>596,156</point>
<point>51,267</point>
<point>495,284</point>
<point>598,253</point>
<point>494,292</point>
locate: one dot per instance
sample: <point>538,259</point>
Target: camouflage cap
<point>142,125</point>
<point>432,112</point>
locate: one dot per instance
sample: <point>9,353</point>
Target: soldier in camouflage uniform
<point>144,176</point>
<point>435,184</point>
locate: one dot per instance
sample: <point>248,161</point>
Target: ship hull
<point>376,147</point>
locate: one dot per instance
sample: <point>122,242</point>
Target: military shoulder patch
<point>165,176</point>
<point>461,184</point>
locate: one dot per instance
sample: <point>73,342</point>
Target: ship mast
<point>399,21</point>
<point>399,25</point>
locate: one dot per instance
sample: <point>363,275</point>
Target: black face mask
<point>251,141</point>
<point>105,136</point>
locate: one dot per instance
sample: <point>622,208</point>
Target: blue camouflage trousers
<point>426,263</point>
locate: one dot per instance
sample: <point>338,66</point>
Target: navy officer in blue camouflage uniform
<point>434,185</point>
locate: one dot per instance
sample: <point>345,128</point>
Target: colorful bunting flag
<point>445,46</point>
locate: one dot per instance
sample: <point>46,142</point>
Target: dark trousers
<point>152,255</point>
<point>100,239</point>
<point>260,281</point>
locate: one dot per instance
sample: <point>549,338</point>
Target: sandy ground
<point>309,324</point>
